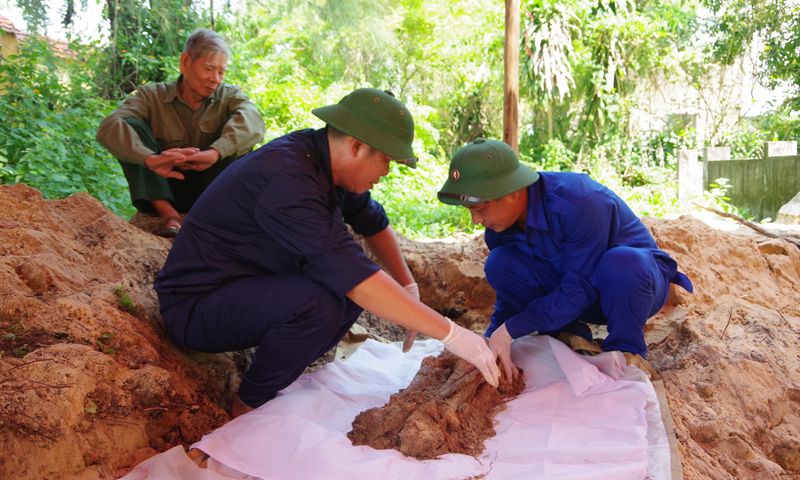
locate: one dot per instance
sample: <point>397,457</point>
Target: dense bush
<point>49,112</point>
<point>409,197</point>
<point>583,68</point>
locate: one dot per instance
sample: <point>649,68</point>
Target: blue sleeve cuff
<point>517,327</point>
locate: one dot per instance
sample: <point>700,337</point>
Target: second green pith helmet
<point>376,118</point>
<point>484,170</point>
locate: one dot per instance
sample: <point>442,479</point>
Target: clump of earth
<point>447,408</point>
<point>91,385</point>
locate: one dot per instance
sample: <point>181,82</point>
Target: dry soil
<point>90,385</point>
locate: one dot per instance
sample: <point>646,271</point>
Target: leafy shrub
<point>409,195</point>
<point>782,124</point>
<point>49,113</point>
<point>745,140</point>
<point>557,158</point>
<point>717,198</point>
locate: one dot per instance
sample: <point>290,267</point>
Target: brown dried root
<point>448,408</point>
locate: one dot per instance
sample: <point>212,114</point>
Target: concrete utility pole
<point>511,87</point>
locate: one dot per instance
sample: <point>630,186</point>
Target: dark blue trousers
<point>290,318</point>
<point>631,287</point>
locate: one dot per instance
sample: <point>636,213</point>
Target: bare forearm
<point>382,296</point>
<point>385,247</point>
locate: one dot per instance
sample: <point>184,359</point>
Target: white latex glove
<point>500,343</point>
<point>472,348</point>
<point>413,289</point>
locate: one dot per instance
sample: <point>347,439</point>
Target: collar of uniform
<point>536,217</point>
<point>216,95</point>
<point>320,138</point>
<point>172,92</point>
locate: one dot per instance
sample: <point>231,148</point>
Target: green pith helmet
<point>484,170</point>
<point>376,118</point>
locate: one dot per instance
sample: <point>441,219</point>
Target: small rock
<point>704,431</point>
<point>37,282</point>
<point>739,448</point>
<point>773,247</point>
<point>705,389</point>
<point>755,465</point>
<point>729,466</point>
<point>758,356</point>
<point>33,277</point>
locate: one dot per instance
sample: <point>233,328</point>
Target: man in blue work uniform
<point>264,257</point>
<point>565,251</point>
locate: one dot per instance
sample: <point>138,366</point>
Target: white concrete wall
<point>717,101</point>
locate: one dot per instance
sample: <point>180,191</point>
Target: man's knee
<point>623,268</point>
<point>504,266</point>
<point>322,310</point>
<point>135,122</point>
<point>145,134</point>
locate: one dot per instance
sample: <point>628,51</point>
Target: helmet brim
<point>347,122</point>
<point>493,189</point>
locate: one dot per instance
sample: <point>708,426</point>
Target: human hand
<point>408,342</point>
<point>500,343</point>
<point>472,348</point>
<point>164,163</point>
<point>198,161</point>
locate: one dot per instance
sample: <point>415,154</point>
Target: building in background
<point>9,42</point>
<point>11,38</point>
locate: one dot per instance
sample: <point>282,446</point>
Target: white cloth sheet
<point>579,418</point>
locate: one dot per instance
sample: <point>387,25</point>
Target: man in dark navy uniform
<point>264,257</point>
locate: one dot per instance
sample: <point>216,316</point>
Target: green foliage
<point>771,26</point>
<point>718,198</point>
<point>662,147</point>
<point>34,12</point>
<point>588,62</point>
<point>745,140</point>
<point>548,44</point>
<point>654,195</point>
<point>124,301</point>
<point>781,124</point>
<point>102,343</point>
<point>49,112</point>
<point>409,195</point>
<point>555,158</point>
<point>606,51</point>
<point>13,338</point>
<point>144,44</point>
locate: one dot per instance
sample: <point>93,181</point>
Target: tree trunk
<point>211,12</point>
<point>511,88</point>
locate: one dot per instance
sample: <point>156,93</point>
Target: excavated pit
<point>71,409</point>
<point>447,408</point>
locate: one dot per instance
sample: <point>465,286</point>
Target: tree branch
<point>758,228</point>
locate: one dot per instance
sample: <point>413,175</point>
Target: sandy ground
<point>90,385</point>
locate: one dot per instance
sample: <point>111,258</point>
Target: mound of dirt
<point>90,384</point>
<point>89,381</point>
<point>447,408</point>
<point>729,353</point>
